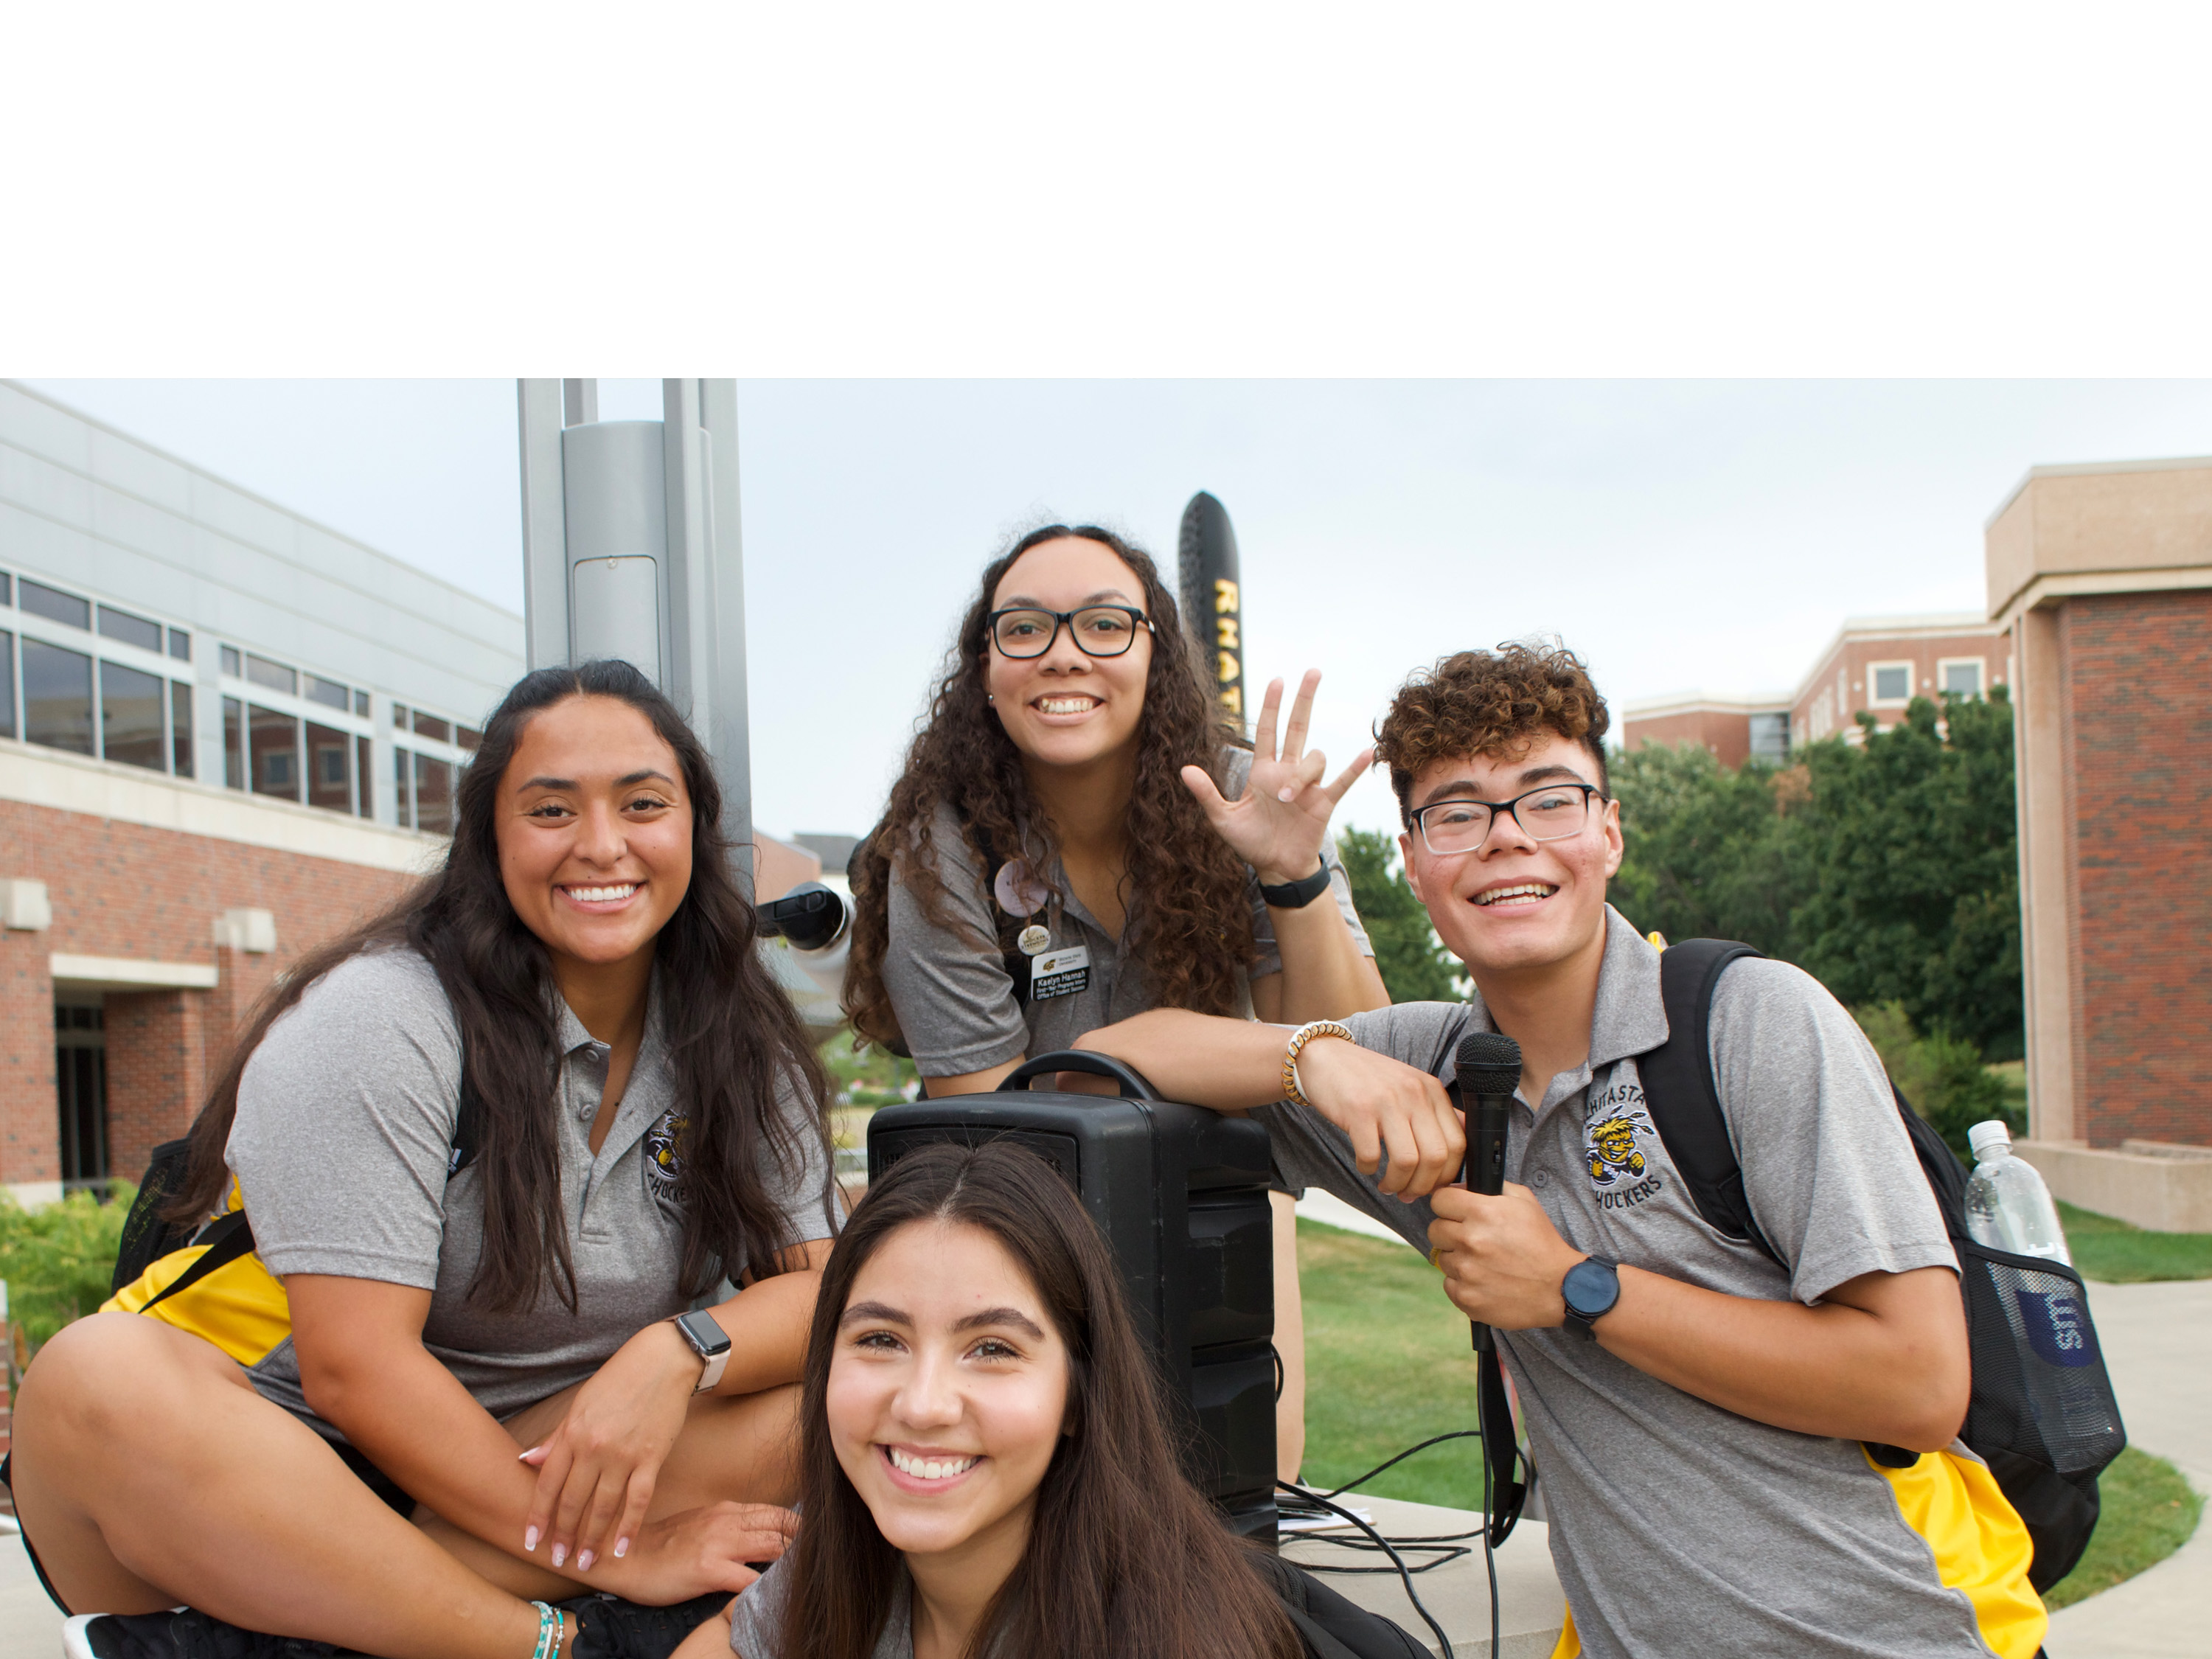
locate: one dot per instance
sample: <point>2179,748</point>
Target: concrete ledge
<point>131,974</point>
<point>2164,1192</point>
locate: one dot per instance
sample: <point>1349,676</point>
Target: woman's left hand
<point>1278,824</point>
<point>596,1471</point>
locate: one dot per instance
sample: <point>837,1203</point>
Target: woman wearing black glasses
<point>1079,836</point>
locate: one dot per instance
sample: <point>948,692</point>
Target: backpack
<point>204,1277</point>
<point>2042,1414</point>
<point>1329,1625</point>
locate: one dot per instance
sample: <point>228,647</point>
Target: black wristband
<point>1296,895</point>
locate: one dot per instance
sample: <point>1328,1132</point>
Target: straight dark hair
<point>1124,1558</point>
<point>733,1038</point>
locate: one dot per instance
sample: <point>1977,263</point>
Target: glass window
<point>181,644</point>
<point>132,630</point>
<point>57,696</point>
<point>55,606</point>
<point>131,717</point>
<point>274,675</point>
<point>399,716</point>
<point>274,740</point>
<point>81,1088</point>
<point>403,782</point>
<point>1892,682</point>
<point>361,752</point>
<point>1770,738</point>
<point>429,725</point>
<point>180,728</point>
<point>330,773</point>
<point>433,795</point>
<point>233,743</point>
<point>469,737</point>
<point>7,684</point>
<point>1963,679</point>
<point>327,692</point>
<point>360,704</point>
<point>230,663</point>
<point>7,589</point>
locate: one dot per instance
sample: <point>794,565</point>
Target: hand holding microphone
<point>1487,1071</point>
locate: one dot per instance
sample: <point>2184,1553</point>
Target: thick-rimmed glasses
<point>1551,813</point>
<point>1098,630</point>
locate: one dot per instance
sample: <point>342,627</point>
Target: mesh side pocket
<point>2040,1386</point>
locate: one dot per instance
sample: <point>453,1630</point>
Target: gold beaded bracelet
<point>1305,1034</point>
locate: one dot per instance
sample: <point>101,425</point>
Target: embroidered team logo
<point>1616,1136</point>
<point>1611,1145</point>
<point>663,1153</point>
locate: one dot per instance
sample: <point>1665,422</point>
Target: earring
<point>990,696</point>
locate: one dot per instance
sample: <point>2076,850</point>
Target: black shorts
<point>370,1476</point>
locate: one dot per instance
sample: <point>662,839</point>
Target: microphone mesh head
<point>1488,1063</point>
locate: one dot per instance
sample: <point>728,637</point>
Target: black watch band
<point>1296,895</point>
<point>1591,1287</point>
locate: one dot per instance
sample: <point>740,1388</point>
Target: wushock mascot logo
<point>663,1154</point>
<point>1615,1133</point>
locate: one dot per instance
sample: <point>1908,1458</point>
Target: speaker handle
<point>1133,1085</point>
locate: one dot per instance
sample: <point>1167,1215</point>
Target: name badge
<point>1059,973</point>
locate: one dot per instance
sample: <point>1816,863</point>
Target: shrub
<point>58,1260</point>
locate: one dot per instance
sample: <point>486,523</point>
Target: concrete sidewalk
<point>2158,1344</point>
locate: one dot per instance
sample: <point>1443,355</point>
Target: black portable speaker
<point>1181,1194</point>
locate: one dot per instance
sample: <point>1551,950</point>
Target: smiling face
<point>1065,708</point>
<point>594,831</point>
<point>947,1394</point>
<point>1514,904</point>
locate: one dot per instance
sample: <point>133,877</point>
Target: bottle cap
<point>1983,1137</point>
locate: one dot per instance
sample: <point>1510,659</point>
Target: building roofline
<point>1925,625</point>
<point>1697,703</point>
<point>2082,469</point>
<point>77,414</point>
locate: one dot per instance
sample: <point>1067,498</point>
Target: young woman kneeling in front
<point>482,1398</point>
<point>984,1469</point>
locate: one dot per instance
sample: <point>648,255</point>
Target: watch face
<point>1591,1289</point>
<point>705,1333</point>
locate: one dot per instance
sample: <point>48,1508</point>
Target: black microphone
<point>1485,1073</point>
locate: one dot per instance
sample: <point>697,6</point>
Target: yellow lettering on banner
<point>1224,596</point>
<point>1229,668</point>
<point>1232,699</point>
<point>1226,627</point>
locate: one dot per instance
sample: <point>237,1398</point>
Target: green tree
<point>1415,966</point>
<point>57,1260</point>
<point>1707,853</point>
<point>1911,875</point>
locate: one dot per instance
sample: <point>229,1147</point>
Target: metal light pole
<point>630,548</point>
<point>1213,603</point>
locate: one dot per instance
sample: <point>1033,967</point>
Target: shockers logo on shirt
<point>663,1154</point>
<point>1616,1131</point>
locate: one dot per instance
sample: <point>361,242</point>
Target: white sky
<point>1679,534</point>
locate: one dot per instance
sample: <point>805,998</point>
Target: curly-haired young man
<point>1699,1413</point>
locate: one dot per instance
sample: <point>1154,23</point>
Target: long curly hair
<point>1190,923</point>
<point>732,1036</point>
<point>1124,1556</point>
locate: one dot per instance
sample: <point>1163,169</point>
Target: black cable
<point>1433,1440</point>
<point>1489,1550</point>
<point>1404,1577</point>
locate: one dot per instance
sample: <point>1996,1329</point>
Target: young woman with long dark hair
<point>1079,836</point>
<point>480,1398</point>
<point>984,1464</point>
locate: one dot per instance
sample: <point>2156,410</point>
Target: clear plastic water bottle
<point>2008,1205</point>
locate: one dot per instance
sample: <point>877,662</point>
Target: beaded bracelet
<point>549,1630</point>
<point>1305,1034</point>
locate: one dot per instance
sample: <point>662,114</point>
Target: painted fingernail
<point>560,1553</point>
<point>622,1548</point>
<point>530,1540</point>
<point>584,1561</point>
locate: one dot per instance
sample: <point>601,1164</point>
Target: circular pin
<point>1019,893</point>
<point>1034,939</point>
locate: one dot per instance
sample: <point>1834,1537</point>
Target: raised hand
<point>1278,824</point>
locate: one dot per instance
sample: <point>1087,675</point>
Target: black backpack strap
<point>228,1237</point>
<point>468,1127</point>
<point>1682,1097</point>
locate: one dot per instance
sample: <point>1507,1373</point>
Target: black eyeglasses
<point>1551,813</point>
<point>1098,630</point>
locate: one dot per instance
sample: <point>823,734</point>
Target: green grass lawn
<point>2119,1254</point>
<point>1387,1363</point>
<point>2148,1513</point>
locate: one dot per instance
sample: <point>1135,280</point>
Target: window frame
<point>1874,697</point>
<point>1981,667</point>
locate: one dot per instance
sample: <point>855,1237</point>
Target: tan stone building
<point>2103,573</point>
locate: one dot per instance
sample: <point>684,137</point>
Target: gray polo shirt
<point>948,981</point>
<point>1678,1528</point>
<point>345,1125</point>
<point>759,1621</point>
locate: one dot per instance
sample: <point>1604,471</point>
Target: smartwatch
<point>709,1341</point>
<point>1591,1287</point>
<point>1295,894</point>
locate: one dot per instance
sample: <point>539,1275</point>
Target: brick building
<point>226,733</point>
<point>2104,573</point>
